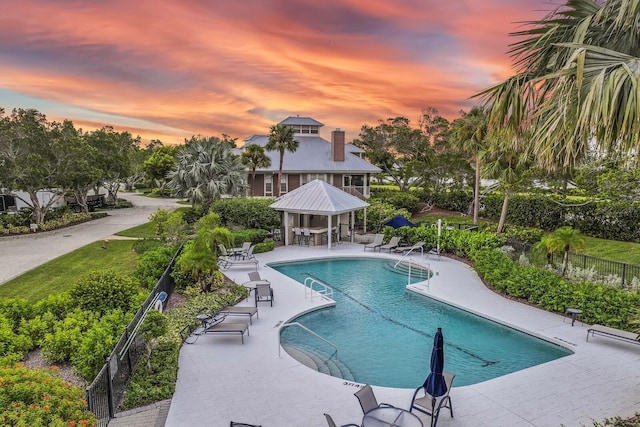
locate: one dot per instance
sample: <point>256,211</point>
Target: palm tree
<point>564,239</point>
<point>254,157</point>
<point>504,161</point>
<point>206,169</point>
<point>281,139</point>
<point>576,82</point>
<point>470,136</point>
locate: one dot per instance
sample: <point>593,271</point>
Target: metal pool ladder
<point>324,290</point>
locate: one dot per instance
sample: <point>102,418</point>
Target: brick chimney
<point>337,145</point>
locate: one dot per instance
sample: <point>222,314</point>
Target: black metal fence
<point>105,392</point>
<point>622,272</point>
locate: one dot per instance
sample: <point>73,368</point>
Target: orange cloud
<point>173,69</point>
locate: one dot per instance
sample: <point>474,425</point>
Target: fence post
<point>624,273</point>
<point>112,409</point>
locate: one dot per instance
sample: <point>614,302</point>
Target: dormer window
<point>305,129</point>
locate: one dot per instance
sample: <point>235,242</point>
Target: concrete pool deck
<point>221,379</point>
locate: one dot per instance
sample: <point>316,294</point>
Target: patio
<point>221,380</point>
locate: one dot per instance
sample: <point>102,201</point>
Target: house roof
<point>313,155</point>
<point>304,121</point>
<point>318,198</point>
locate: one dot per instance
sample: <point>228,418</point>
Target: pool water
<point>384,333</point>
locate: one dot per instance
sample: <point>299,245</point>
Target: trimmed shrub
<point>151,264</point>
<point>264,247</point>
<point>247,212</point>
<point>104,291</point>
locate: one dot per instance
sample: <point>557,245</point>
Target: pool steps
<point>319,361</point>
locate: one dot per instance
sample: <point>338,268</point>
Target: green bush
<point>12,342</point>
<point>97,343</point>
<point>143,245</point>
<point>57,304</point>
<point>247,212</point>
<point>378,213</point>
<point>15,309</point>
<point>254,236</point>
<point>38,327</point>
<point>599,303</point>
<point>264,247</point>
<point>151,264</point>
<point>104,291</point>
<point>67,335</point>
<point>36,397</point>
<point>399,199</point>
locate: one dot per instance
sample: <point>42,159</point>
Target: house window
<point>283,184</point>
<point>308,177</point>
<point>268,185</point>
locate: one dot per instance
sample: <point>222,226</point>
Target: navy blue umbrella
<point>399,221</point>
<point>435,384</point>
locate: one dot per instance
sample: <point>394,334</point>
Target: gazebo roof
<point>318,198</point>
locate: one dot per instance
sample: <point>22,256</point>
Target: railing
<point>325,290</point>
<point>409,263</point>
<point>625,272</point>
<point>308,330</point>
<point>107,389</point>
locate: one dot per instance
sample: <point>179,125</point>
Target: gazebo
<point>317,198</point>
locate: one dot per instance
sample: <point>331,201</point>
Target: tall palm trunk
<point>503,214</point>
<point>279,173</point>
<point>565,260</point>
<point>476,194</point>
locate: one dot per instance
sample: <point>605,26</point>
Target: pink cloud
<point>187,67</point>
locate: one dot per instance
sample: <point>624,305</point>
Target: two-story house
<point>334,162</point>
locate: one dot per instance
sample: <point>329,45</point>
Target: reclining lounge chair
<point>240,311</point>
<point>213,324</point>
<point>230,261</point>
<point>418,247</point>
<point>377,242</point>
<point>393,243</point>
<point>617,334</point>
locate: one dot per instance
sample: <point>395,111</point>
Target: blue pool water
<point>384,333</point>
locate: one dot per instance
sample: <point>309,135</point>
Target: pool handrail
<point>308,287</point>
<point>308,330</point>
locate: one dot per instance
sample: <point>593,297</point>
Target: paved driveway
<point>22,253</point>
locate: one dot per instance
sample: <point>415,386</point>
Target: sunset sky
<point>170,69</point>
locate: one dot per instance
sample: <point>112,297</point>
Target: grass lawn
<point>628,252</point>
<point>142,231</point>
<point>60,274</point>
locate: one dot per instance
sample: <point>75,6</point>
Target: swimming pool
<point>384,333</point>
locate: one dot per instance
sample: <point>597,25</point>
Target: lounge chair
<point>264,293</point>
<point>367,399</point>
<point>407,249</point>
<point>224,252</point>
<point>213,324</point>
<point>332,423</point>
<point>423,401</point>
<point>240,311</point>
<point>393,243</point>
<point>377,242</point>
<point>229,261</point>
<point>617,334</point>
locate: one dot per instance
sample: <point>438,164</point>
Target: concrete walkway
<point>221,380</point>
<point>22,253</point>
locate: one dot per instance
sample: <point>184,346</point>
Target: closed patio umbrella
<point>435,384</point>
<point>399,221</point>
